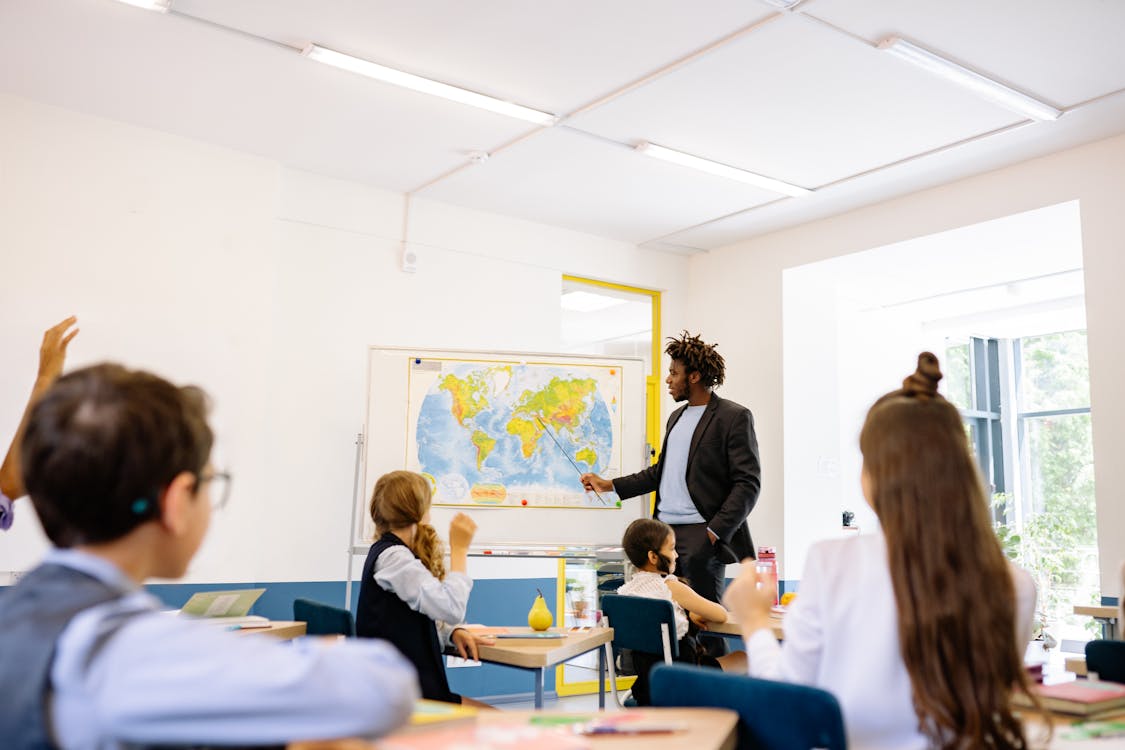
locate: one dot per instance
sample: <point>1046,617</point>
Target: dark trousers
<point>705,574</point>
<point>690,653</point>
<point>697,562</point>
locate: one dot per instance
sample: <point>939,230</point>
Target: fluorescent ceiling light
<point>161,6</point>
<point>969,79</point>
<point>425,85</point>
<point>722,170</point>
<point>783,4</point>
<point>588,302</point>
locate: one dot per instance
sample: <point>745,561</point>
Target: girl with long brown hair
<point>407,597</point>
<point>918,630</point>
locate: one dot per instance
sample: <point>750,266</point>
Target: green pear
<point>539,618</point>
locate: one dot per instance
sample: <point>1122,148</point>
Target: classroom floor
<point>571,703</point>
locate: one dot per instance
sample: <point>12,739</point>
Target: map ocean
<point>484,432</point>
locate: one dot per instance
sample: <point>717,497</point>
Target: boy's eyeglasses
<point>220,487</point>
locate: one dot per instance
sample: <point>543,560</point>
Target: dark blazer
<point>724,475</point>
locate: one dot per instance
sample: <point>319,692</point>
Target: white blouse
<point>841,635</point>
<point>652,586</point>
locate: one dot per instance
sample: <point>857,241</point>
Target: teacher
<point>708,476</point>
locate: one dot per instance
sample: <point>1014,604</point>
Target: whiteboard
<point>493,456</point>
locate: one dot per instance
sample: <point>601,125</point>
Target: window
<point>1026,406</point>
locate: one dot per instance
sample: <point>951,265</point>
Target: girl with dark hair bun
<point>918,630</point>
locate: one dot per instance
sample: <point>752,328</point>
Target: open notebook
<point>227,608</point>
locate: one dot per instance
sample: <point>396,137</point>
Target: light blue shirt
<point>397,570</point>
<point>675,501</point>
<point>6,514</point>
<point>164,678</point>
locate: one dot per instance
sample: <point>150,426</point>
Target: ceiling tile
<point>182,77</point>
<point>1064,52</point>
<point>551,56</point>
<point>574,180</point>
<point>798,102</point>
<point>1102,119</point>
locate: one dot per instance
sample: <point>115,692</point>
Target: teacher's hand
<point>594,483</point>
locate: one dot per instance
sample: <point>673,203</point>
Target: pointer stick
<point>568,458</point>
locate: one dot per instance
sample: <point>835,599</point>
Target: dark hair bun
<point>922,383</point>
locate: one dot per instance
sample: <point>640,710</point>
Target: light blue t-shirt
<point>676,506</point>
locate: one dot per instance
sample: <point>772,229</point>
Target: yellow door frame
<point>652,436</point>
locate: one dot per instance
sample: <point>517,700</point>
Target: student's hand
<point>750,597</point>
<point>52,352</point>
<point>594,483</point>
<point>461,531</point>
<point>467,644</point>
<point>698,620</point>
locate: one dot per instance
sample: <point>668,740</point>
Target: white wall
<point>736,298</point>
<point>265,286</point>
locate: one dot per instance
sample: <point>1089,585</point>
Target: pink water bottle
<point>767,564</point>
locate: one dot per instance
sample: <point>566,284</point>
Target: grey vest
<point>33,614</point>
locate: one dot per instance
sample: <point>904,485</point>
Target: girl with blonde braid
<point>407,597</point>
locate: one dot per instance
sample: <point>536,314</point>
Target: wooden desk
<point>1035,728</point>
<point>282,629</point>
<point>1106,615</point>
<point>703,729</point>
<point>731,628</point>
<point>537,655</point>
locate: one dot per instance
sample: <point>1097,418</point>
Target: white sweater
<point>841,635</point>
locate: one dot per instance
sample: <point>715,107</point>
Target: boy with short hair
<point>117,464</point>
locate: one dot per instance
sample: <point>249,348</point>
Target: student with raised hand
<point>650,545</point>
<point>52,356</point>
<point>117,464</point>
<point>406,595</point>
<point>918,630</point>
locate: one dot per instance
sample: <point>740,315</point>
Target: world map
<point>506,434</point>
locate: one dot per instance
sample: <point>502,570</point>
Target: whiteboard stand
<point>351,529</point>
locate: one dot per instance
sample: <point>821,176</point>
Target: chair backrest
<point>642,624</point>
<point>323,619</point>
<point>770,714</point>
<point>1107,658</point>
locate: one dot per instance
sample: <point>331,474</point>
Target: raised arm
<point>52,357</point>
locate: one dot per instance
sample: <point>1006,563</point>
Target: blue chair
<point>323,619</point>
<point>1107,658</point>
<point>647,627</point>
<point>771,715</point>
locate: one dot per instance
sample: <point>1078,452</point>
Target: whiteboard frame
<point>634,456</point>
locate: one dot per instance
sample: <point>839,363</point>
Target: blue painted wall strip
<point>493,602</point>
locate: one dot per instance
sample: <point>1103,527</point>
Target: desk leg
<point>601,679</point>
<point>540,677</point>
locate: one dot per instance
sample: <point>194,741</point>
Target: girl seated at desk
<point>919,631</point>
<point>406,596</point>
<point>651,546</point>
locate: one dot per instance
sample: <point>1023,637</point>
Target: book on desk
<point>1086,698</point>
